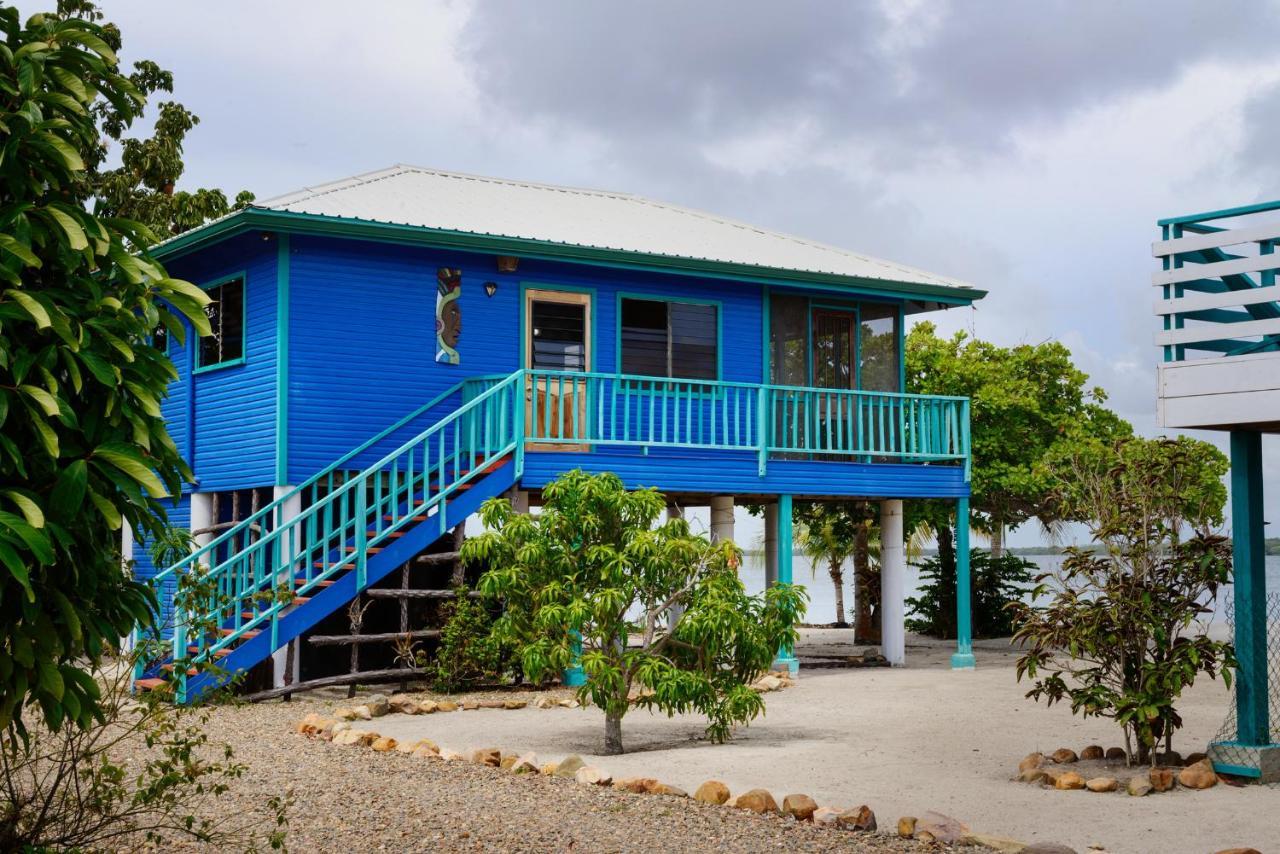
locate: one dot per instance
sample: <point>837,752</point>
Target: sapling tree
<point>661,618</point>
<point>1119,635</point>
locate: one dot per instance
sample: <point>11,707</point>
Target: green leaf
<point>45,400</point>
<point>29,508</point>
<point>197,294</point>
<point>127,460</point>
<point>18,569</point>
<point>14,246</point>
<point>75,234</point>
<point>32,307</point>
<point>107,509</point>
<point>34,540</point>
<point>68,491</point>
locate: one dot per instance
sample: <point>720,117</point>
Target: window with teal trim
<point>669,339</point>
<point>226,319</point>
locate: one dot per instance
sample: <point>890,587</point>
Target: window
<point>226,319</point>
<point>880,363</point>
<point>559,341</point>
<point>669,339</point>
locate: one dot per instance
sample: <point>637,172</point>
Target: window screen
<point>226,319</point>
<point>559,338</point>
<point>669,339</point>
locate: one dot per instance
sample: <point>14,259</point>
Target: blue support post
<point>963,659</point>
<point>574,675</point>
<point>786,656</point>
<point>1249,577</point>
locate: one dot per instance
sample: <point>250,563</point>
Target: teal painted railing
<point>1217,283</point>
<point>592,409</point>
<point>343,516</point>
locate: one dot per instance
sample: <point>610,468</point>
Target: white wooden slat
<point>1216,239</point>
<point>1216,331</point>
<point>1226,299</point>
<point>1192,272</point>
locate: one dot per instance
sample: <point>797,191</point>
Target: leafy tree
<point>594,568</point>
<point>832,532</point>
<point>83,448</point>
<point>1027,402</point>
<point>996,582</point>
<point>469,653</point>
<point>1118,637</point>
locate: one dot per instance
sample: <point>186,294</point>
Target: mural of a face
<point>448,315</point>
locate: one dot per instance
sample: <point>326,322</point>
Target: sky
<point>1028,148</point>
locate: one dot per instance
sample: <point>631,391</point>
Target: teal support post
<point>1249,577</point>
<point>786,656</point>
<point>963,659</point>
<point>574,675</point>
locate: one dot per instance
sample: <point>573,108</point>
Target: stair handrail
<point>243,525</point>
<point>357,487</point>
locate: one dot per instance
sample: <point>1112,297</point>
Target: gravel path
<point>353,799</point>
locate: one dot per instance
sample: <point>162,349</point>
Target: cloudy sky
<point>1026,147</point>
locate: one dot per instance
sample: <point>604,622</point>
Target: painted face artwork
<point>448,315</point>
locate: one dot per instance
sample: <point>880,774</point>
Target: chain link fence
<point>1225,751</point>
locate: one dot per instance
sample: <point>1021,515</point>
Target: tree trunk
<point>997,538</point>
<point>863,628</point>
<point>837,578</point>
<point>612,734</point>
<point>947,562</point>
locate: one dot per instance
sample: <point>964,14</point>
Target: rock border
<point>1053,771</point>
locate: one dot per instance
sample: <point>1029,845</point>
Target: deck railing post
<point>763,398</point>
<point>358,533</point>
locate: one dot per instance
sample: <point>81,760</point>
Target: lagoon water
<point>822,593</point>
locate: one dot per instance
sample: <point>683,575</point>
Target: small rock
<point>590,775</point>
<point>470,705</point>
<point>1102,784</point>
<point>636,785</point>
<point>526,764</point>
<point>1069,781</point>
<point>1199,776</point>
<point>825,816</point>
<point>348,736</point>
<point>907,826</point>
<point>508,761</point>
<point>941,828</point>
<point>307,725</point>
<point>1116,754</point>
<point>452,756</point>
<point>402,703</point>
<point>1138,787</point>
<point>1161,779</point>
<point>801,807</point>
<point>1047,848</point>
<point>543,703</point>
<point>757,800</point>
<point>548,768</point>
<point>345,714</point>
<point>339,727</point>
<point>569,766</point>
<point>569,703</point>
<point>1034,775</point>
<point>1063,756</point>
<point>489,756</point>
<point>926,837</point>
<point>413,747</point>
<point>426,751</point>
<point>1002,844</point>
<point>1193,758</point>
<point>1031,760</point>
<point>491,704</point>
<point>362,712</point>
<point>1092,752</point>
<point>858,818</point>
<point>512,705</point>
<point>712,792</point>
<point>377,704</point>
<point>667,789</point>
<point>384,744</point>
<point>767,683</point>
<point>447,706</point>
<point>1239,851</point>
<point>428,707</point>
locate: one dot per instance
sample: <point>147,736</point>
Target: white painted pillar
<point>202,516</point>
<point>675,612</point>
<point>290,510</point>
<point>520,500</point>
<point>721,517</point>
<point>893,572</point>
<point>126,543</point>
<point>770,545</point>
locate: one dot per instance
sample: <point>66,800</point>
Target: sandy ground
<point>903,741</point>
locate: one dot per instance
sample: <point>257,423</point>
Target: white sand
<point>902,741</point>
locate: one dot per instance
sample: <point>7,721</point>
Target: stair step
<point>252,633</point>
<point>369,550</point>
<point>328,582</point>
<point>301,600</point>
<point>168,668</point>
<point>151,683</point>
<point>219,653</point>
<point>419,518</point>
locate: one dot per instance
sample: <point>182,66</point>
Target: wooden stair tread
<point>150,683</point>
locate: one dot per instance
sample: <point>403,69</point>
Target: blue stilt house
<point>392,349</point>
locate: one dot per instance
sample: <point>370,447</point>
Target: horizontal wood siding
<point>179,516</point>
<point>234,407</point>
<point>737,472</point>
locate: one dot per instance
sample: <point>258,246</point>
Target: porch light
<point>507,263</point>
<point>490,288</point>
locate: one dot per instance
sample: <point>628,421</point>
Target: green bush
<point>997,581</point>
<point>469,654</point>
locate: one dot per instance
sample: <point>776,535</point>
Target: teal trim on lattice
<point>304,223</point>
<point>243,276</point>
<point>1249,583</point>
<point>617,337</point>
<point>282,359</point>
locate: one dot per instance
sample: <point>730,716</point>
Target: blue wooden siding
<point>179,516</point>
<point>737,472</point>
<point>233,411</point>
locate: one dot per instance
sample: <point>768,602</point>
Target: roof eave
<point>250,218</point>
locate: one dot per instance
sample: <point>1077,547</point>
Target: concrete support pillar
<point>675,612</point>
<point>962,659</point>
<point>519,500</point>
<point>770,544</point>
<point>1250,581</point>
<point>290,510</point>
<point>721,517</point>
<point>893,572</point>
<point>202,516</point>
<point>786,657</point>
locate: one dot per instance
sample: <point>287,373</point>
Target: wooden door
<point>835,366</point>
<point>557,338</point>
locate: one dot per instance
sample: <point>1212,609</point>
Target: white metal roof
<point>413,196</point>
